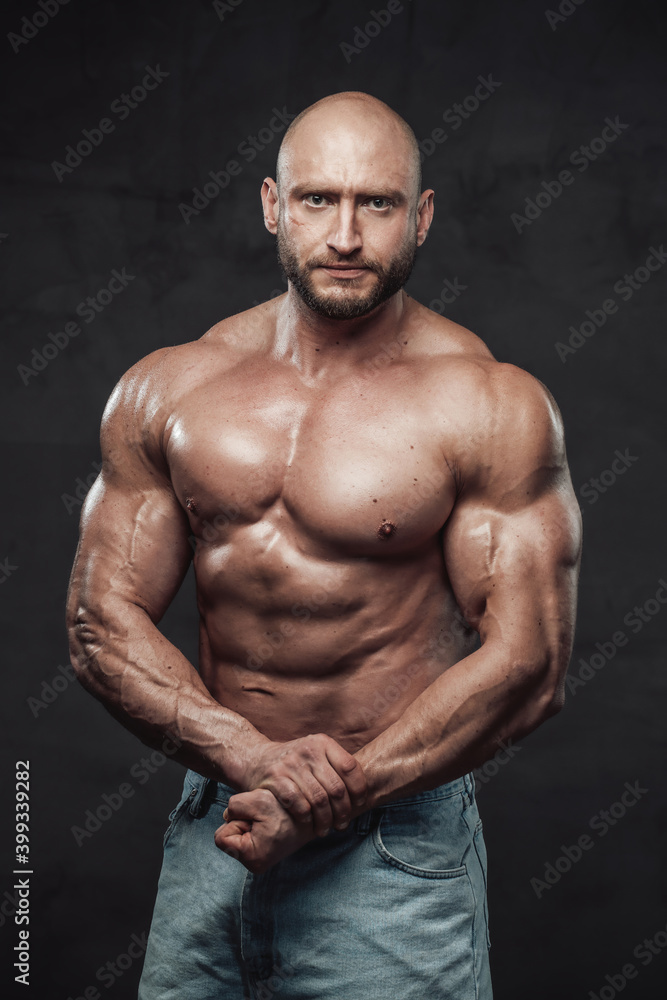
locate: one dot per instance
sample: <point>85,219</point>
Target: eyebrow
<point>305,189</point>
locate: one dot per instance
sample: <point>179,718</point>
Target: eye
<point>315,200</point>
<point>379,202</point>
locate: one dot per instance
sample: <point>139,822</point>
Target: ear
<point>425,210</point>
<point>270,204</point>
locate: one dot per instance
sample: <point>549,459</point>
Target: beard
<point>344,302</point>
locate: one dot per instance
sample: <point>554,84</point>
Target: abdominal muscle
<point>299,645</point>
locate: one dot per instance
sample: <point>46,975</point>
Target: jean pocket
<point>427,839</point>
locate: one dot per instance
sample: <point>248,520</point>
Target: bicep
<point>513,571</point>
<point>513,540</point>
<point>134,545</point>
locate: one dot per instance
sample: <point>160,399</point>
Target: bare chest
<point>351,468</point>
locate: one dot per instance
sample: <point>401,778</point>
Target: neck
<point>316,345</point>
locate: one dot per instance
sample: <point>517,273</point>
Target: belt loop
<point>197,795</point>
<point>364,822</point>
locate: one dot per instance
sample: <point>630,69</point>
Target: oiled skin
<point>358,491</point>
<point>284,481</point>
<point>301,482</point>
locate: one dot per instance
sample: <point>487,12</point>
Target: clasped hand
<point>293,792</point>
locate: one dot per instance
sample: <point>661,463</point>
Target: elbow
<point>551,702</point>
<point>543,683</point>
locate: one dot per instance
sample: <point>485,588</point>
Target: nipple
<point>386,529</point>
<point>191,505</point>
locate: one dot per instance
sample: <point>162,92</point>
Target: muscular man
<point>368,490</point>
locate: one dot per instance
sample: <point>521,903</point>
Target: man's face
<point>356,284</point>
<point>347,223</point>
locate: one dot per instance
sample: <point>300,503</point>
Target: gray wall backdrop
<point>564,277</point>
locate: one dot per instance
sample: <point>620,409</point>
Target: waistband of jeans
<point>464,784</point>
<point>207,788</point>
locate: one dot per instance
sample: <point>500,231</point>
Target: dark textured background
<point>120,209</point>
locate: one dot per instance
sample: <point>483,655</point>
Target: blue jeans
<point>393,908</point>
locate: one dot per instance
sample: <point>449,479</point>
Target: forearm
<point>151,688</point>
<point>457,723</point>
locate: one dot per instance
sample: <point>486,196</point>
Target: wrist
<point>243,758</point>
<point>390,773</point>
<point>374,769</point>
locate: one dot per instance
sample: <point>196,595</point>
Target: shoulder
<point>493,415</point>
<point>515,430</point>
<point>162,375</point>
<point>514,397</point>
<point>524,413</point>
<point>460,367</point>
<point>143,401</point>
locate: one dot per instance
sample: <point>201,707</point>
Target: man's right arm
<point>132,557</point>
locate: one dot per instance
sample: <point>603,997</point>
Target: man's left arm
<point>512,547</point>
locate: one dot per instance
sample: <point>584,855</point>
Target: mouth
<point>345,271</point>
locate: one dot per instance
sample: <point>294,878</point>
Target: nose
<point>345,236</point>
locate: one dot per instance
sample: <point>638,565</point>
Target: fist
<point>258,831</point>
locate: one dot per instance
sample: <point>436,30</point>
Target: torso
<point>318,507</point>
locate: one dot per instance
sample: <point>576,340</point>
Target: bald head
<point>357,125</point>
